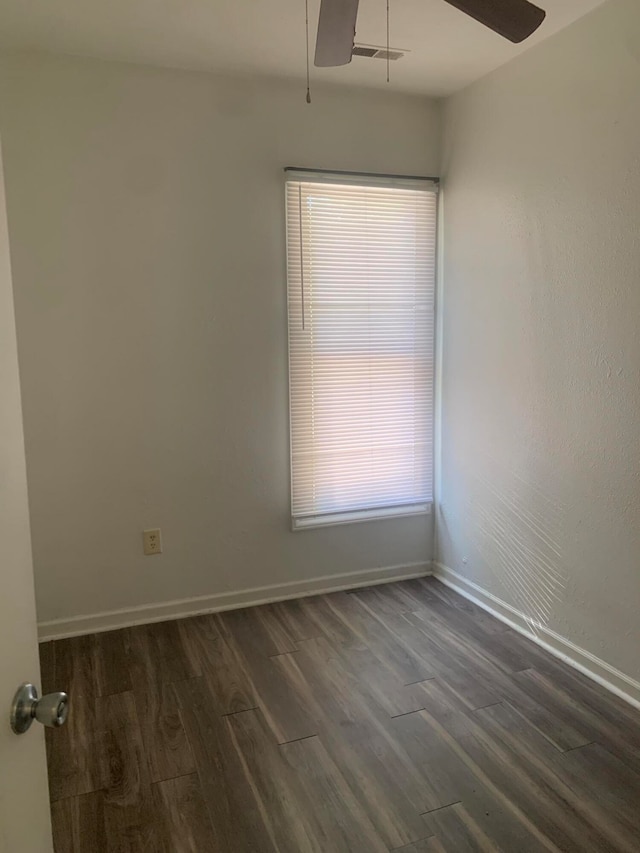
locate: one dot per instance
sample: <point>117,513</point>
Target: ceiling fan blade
<point>516,20</point>
<point>336,32</point>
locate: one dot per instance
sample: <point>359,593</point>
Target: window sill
<point>335,518</point>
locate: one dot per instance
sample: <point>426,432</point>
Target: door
<point>25,822</point>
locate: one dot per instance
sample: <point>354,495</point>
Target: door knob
<point>50,710</point>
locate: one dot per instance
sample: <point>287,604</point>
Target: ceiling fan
<point>516,20</point>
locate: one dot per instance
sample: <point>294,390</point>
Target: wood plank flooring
<point>400,717</point>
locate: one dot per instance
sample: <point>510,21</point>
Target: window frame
<point>413,508</point>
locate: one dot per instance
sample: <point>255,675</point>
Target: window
<point>361,282</point>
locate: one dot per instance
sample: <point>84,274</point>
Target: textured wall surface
<point>540,475</point>
<point>146,216</point>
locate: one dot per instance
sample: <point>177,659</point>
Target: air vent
<point>388,54</point>
<point>364,51</point>
<point>371,51</point>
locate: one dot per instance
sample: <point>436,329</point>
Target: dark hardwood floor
<point>399,717</point>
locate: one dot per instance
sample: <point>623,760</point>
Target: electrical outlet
<point>152,541</point>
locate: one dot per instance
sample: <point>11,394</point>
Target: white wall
<point>540,475</point>
<point>146,223</point>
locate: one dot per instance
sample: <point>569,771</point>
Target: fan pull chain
<point>306,11</point>
<point>387,41</point>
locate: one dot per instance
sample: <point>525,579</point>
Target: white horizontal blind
<point>361,285</point>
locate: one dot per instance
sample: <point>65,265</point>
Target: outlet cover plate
<point>152,541</point>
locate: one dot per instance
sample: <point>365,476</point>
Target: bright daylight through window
<point>361,256</point>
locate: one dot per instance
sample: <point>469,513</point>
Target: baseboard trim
<point>164,611</point>
<point>593,667</point>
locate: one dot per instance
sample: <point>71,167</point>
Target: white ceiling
<point>448,49</point>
